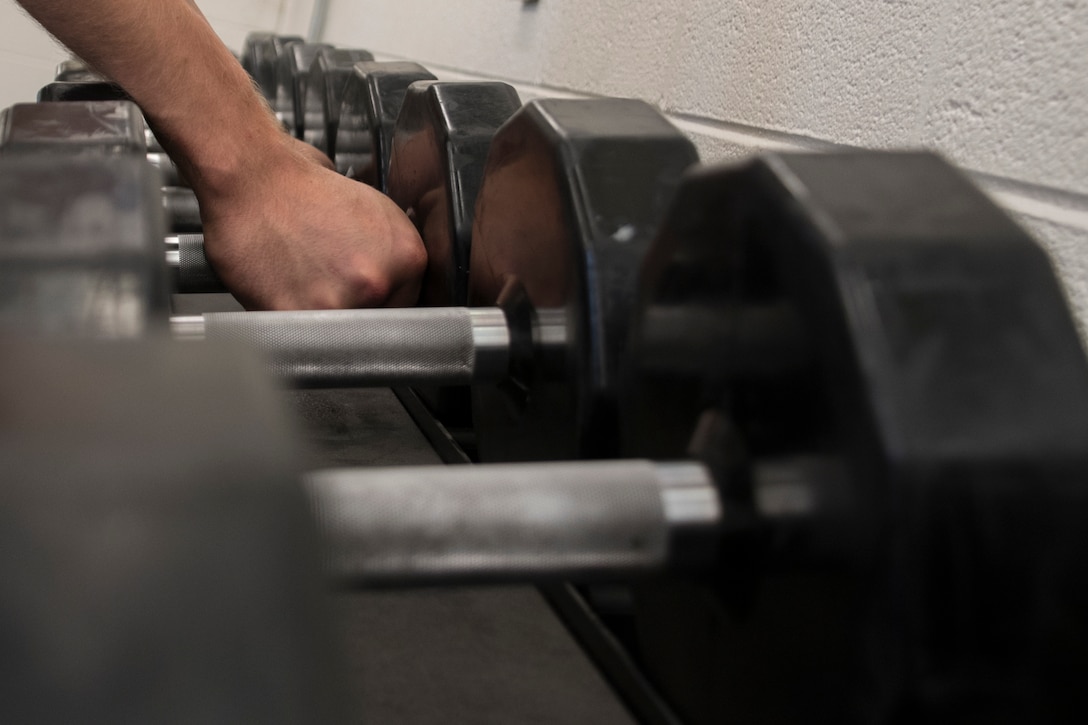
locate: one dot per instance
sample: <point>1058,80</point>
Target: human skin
<point>282,230</point>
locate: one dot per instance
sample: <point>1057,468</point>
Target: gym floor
<point>486,655</point>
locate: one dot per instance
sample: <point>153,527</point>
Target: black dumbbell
<point>439,150</point>
<point>855,372</point>
<point>324,95</point>
<point>869,404</point>
<point>440,146</point>
<point>292,76</point>
<point>863,373</point>
<point>551,183</point>
<point>260,56</point>
<point>372,100</point>
<point>84,88</point>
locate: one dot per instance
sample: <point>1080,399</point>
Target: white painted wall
<point>1000,86</point>
<point>28,55</point>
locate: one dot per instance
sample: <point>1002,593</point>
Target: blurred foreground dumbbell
<point>144,580</point>
<point>80,247</point>
<point>93,128</point>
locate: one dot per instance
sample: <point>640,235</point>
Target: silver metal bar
<point>380,347</point>
<point>189,327</point>
<point>182,209</point>
<point>512,523</point>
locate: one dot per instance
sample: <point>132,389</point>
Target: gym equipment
<point>140,583</point>
<point>77,126</point>
<point>439,147</point>
<point>260,56</point>
<point>869,405</point>
<point>372,100</point>
<point>82,127</point>
<point>328,78</point>
<point>190,271</point>
<point>877,321</point>
<point>861,384</point>
<point>95,128</point>
<point>870,402</point>
<point>94,89</point>
<point>80,247</point>
<point>562,239</point>
<point>74,69</point>
<point>411,526</point>
<point>292,76</point>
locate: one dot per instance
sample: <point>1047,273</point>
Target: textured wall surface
<point>28,55</point>
<point>999,86</point>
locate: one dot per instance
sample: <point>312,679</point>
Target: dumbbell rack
<point>850,390</point>
<point>332,417</point>
<point>567,601</point>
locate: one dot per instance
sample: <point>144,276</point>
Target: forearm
<point>194,93</point>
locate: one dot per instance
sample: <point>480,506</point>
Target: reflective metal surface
<point>411,526</point>
<point>378,347</point>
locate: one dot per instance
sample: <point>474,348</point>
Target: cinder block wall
<point>999,86</point>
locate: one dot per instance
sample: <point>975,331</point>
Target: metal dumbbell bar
<point>516,522</point>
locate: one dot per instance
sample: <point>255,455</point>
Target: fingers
<point>309,238</point>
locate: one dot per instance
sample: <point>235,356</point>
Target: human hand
<point>292,234</point>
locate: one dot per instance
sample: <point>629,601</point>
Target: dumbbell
<point>372,99</point>
<point>439,145</point>
<point>138,584</point>
<point>868,404</point>
<point>324,95</point>
<point>815,339</point>
<point>547,346</point>
<point>93,127</point>
<point>84,87</point>
<point>76,82</point>
<point>260,57</point>
<point>292,75</point>
<point>74,69</point>
<point>439,148</point>
<point>81,251</point>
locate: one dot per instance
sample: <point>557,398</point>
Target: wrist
<point>217,146</point>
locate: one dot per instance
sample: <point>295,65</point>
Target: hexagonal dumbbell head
<point>881,369</point>
<point>572,194</point>
<point>372,101</point>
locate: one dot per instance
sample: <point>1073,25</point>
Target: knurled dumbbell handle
<point>380,347</point>
<point>518,522</point>
<point>189,267</point>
